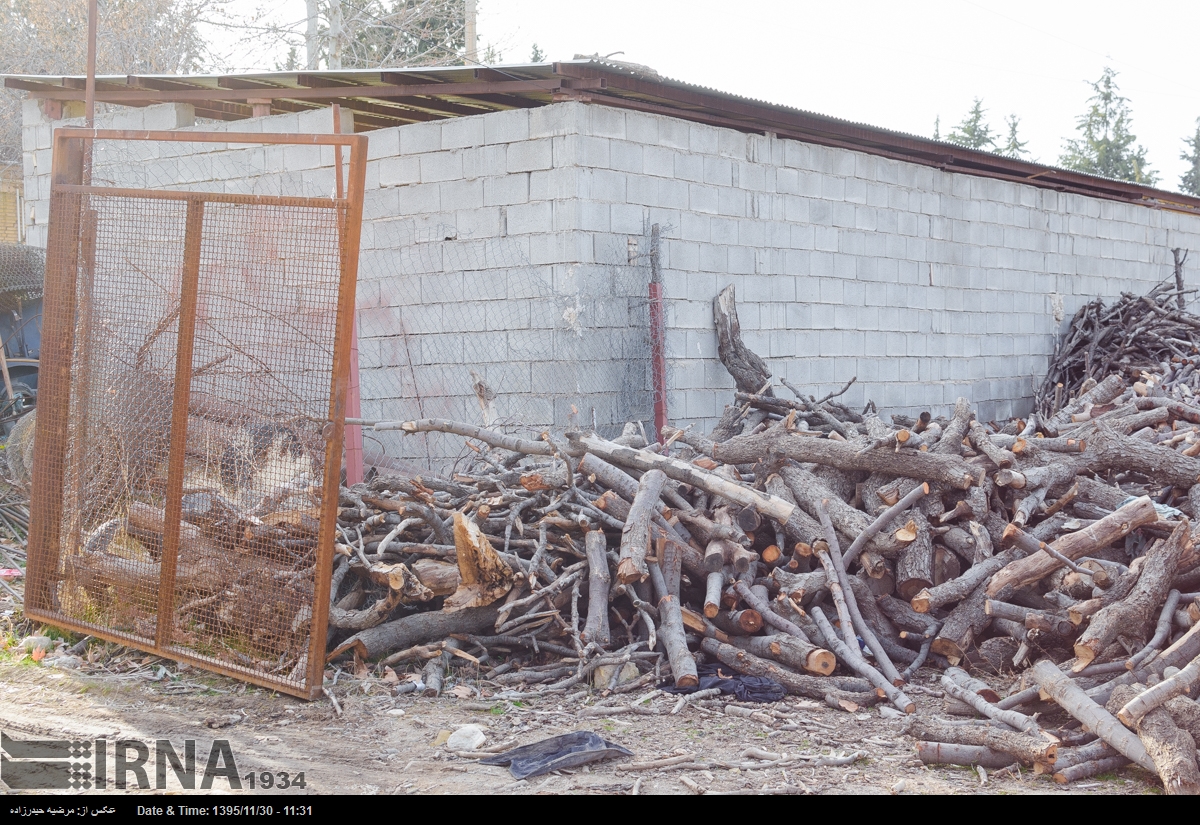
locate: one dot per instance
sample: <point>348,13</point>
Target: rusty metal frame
<point>68,241</point>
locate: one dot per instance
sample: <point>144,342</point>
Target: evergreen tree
<point>1106,145</point>
<point>937,128</point>
<point>1190,182</point>
<point>973,133</point>
<point>1013,146</point>
<point>537,55</point>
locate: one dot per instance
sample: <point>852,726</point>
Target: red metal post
<point>354,438</point>
<point>658,344</point>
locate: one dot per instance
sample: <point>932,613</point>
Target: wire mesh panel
<point>195,371</point>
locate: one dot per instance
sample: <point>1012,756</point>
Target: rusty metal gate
<point>195,365</point>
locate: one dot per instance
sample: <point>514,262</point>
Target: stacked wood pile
<point>1136,334</point>
<point>828,549</point>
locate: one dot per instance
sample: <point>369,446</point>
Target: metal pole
<point>354,437</point>
<point>89,94</point>
<point>658,356</point>
<point>471,53</point>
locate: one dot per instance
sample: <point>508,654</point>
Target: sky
<point>898,65</point>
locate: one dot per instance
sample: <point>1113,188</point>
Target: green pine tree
<point>973,133</point>
<point>1190,182</point>
<point>1106,145</point>
<point>937,128</point>
<point>537,55</point>
<point>1013,146</point>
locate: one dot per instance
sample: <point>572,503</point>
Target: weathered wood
<point>1131,616</point>
<point>1172,750</point>
<point>854,660</point>
<point>814,687</point>
<point>1001,457</point>
<point>635,537</point>
<point>1059,687</point>
<point>682,471</point>
<point>835,571</point>
<point>749,371</point>
<point>958,589</point>
<point>793,651</point>
<point>420,628</point>
<point>1022,747</point>
<point>945,753</point>
<point>1183,682</point>
<point>914,568</point>
<point>670,630</point>
<point>597,629</point>
<point>1073,545</point>
<point>947,469</point>
<point>485,577</point>
<point>964,624</point>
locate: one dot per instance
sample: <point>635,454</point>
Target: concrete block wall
<point>925,284</point>
<point>509,244</point>
<point>477,262</point>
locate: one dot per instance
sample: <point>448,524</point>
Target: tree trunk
<point>635,537</point>
<point>596,629</point>
<point>1094,537</point>
<point>962,627</point>
<point>1058,686</point>
<point>1132,615</point>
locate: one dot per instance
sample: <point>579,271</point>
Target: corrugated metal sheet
<point>387,97</point>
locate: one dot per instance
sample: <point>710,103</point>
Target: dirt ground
<point>384,744</point>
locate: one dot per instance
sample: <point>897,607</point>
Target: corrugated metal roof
<point>387,97</point>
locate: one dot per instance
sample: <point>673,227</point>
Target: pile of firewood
<point>1150,333</point>
<point>827,549</point>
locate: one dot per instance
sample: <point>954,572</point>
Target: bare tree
<point>134,37</point>
<point>368,34</point>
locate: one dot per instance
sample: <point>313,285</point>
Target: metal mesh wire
<point>213,502</point>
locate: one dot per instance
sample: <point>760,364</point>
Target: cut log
<point>944,753</point>
<point>1172,750</point>
<point>419,628</point>
<point>793,651</point>
<point>958,589</point>
<point>1001,457</point>
<point>442,578</point>
<point>1022,747</point>
<point>597,629</point>
<point>914,568</point>
<point>776,508</point>
<point>814,687</point>
<point>635,536</point>
<point>485,577</point>
<point>712,598</point>
<point>964,624</point>
<point>809,492</point>
<point>1182,683</point>
<point>947,469</point>
<point>1073,545</point>
<point>1132,615</point>
<point>1059,687</point>
<point>670,630</point>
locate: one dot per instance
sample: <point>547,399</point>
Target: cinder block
<point>528,155</point>
<point>506,190</point>
<point>440,166</point>
<point>399,171</point>
<point>505,127</point>
<point>418,138</point>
